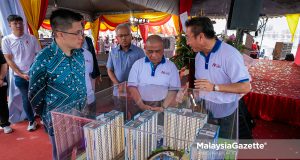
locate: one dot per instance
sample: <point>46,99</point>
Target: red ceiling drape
<point>185,6</point>
<point>144,29</point>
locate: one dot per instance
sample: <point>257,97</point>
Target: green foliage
<point>183,52</point>
<point>232,41</point>
<point>158,150</point>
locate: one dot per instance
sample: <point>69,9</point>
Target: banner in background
<point>292,20</point>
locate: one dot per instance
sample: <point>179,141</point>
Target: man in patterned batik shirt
<point>57,76</point>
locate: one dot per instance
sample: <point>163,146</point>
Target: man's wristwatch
<point>216,88</point>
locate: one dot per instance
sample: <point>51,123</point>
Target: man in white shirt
<point>19,50</point>
<point>88,58</point>
<point>107,45</point>
<point>151,77</point>
<point>220,72</point>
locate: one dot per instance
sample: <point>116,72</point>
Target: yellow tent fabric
<point>32,12</point>
<point>176,23</point>
<point>292,20</point>
<point>121,18</point>
<point>46,25</point>
<point>87,26</point>
<point>95,31</point>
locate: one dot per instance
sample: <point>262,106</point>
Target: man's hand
<point>147,107</point>
<point>25,76</point>
<point>157,109</point>
<point>181,93</point>
<point>121,88</point>
<point>204,84</point>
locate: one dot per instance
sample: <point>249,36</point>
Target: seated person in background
<point>151,77</point>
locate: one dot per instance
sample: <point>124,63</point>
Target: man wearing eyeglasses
<point>57,76</point>
<point>19,50</point>
<point>122,57</point>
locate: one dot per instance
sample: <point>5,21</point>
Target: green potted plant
<point>183,53</point>
<point>184,59</point>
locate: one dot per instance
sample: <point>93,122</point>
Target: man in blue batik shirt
<point>57,76</point>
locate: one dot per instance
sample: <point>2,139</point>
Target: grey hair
<point>123,25</point>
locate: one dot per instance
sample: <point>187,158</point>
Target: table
<point>275,94</point>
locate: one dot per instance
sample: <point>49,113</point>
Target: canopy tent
<point>95,11</point>
<point>94,8</point>
<point>221,7</point>
<point>109,22</point>
<point>158,22</point>
<point>106,15</point>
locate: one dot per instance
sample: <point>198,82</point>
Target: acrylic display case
<point>134,122</point>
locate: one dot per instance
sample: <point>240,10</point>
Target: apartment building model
<point>104,138</point>
<point>180,127</point>
<point>140,137</point>
<point>207,135</point>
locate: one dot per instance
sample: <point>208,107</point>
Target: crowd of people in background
<point>106,44</point>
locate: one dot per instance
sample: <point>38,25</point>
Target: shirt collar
<point>15,37</point>
<point>215,48</point>
<point>54,47</point>
<point>163,60</point>
<point>130,48</point>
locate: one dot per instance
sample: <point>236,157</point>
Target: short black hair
<point>201,24</point>
<point>62,19</point>
<point>14,17</point>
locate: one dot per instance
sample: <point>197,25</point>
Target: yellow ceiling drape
<point>87,26</point>
<point>120,18</point>
<point>32,12</point>
<point>104,27</point>
<point>176,23</point>
<point>292,20</point>
<point>46,25</point>
<point>95,26</point>
<point>109,22</point>
<point>46,21</point>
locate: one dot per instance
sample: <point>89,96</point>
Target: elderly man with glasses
<point>122,57</point>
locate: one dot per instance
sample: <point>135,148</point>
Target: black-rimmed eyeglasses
<point>79,33</point>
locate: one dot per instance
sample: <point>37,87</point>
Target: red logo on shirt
<point>166,73</point>
<point>216,65</point>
